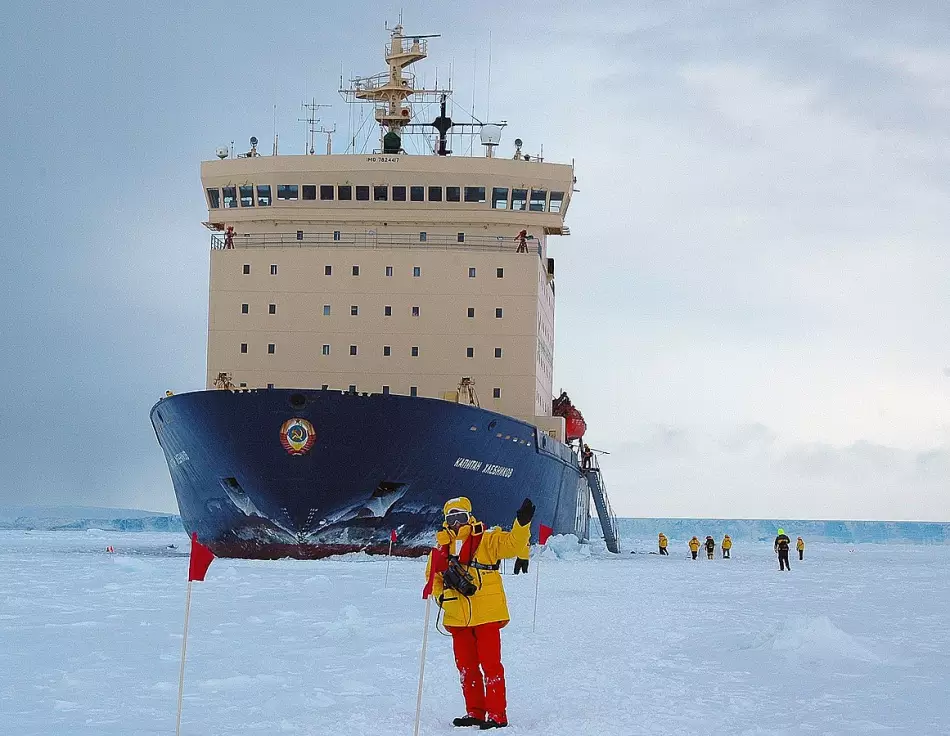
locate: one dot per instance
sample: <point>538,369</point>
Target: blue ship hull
<point>363,466</point>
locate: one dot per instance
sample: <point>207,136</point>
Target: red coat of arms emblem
<point>297,436</point>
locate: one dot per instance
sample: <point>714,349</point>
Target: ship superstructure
<point>413,293</point>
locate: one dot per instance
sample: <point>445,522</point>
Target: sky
<point>753,310</point>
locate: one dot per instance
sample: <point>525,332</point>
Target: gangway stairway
<point>608,521</point>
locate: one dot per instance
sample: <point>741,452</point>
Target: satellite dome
<point>221,151</point>
<point>490,135</point>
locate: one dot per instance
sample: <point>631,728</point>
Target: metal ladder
<point>608,520</point>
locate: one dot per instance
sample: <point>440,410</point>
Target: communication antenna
<point>312,121</point>
<point>329,134</point>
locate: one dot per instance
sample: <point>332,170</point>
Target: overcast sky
<point>753,308</point>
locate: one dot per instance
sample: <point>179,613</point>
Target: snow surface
<point>853,640</point>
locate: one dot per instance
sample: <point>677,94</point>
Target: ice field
<point>853,640</point>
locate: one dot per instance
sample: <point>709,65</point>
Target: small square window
<point>415,351</point>
<point>336,235</point>
<point>328,270</point>
<point>500,273</point>
<point>326,349</point>
<point>273,269</point>
<point>354,311</point>
<point>344,192</point>
<point>399,194</point>
<point>389,270</point>
<point>272,309</point>
<point>453,194</point>
<point>413,391</point>
<point>326,310</point>
<point>380,193</point>
<point>387,351</point>
<point>498,313</point>
<point>385,390</point>
<point>417,194</point>
<point>416,271</point>
<point>309,191</point>
<point>469,352</point>
<point>244,309</point>
<point>300,235</point>
<point>247,268</point>
<point>270,385</point>
<point>356,270</point>
<point>242,385</point>
<point>243,347</point>
<point>423,237</point>
<point>352,349</point>
<point>415,311</point>
<point>460,237</point>
<point>362,194</point>
<point>326,192</point>
<point>325,386</point>
<point>471,272</point>
<point>497,352</point>
<point>496,393</point>
<point>271,348</point>
<point>387,311</point>
<point>352,388</point>
<point>471,311</point>
<point>435,194</point>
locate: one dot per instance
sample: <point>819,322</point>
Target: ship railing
<point>370,239</point>
<point>605,511</point>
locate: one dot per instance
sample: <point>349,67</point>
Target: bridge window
<point>519,199</point>
<point>344,192</point>
<point>247,195</point>
<point>362,194</point>
<point>475,194</point>
<point>263,195</point>
<point>417,194</point>
<point>453,194</point>
<point>230,197</point>
<point>326,192</point>
<point>399,194</point>
<point>557,200</point>
<point>309,192</point>
<point>287,191</point>
<point>380,193</point>
<point>499,198</point>
<point>538,198</point>
<point>435,194</point>
<point>214,198</point>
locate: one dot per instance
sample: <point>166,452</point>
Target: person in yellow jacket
<point>726,547</point>
<point>800,546</point>
<point>467,585</point>
<point>664,543</point>
<point>694,546</point>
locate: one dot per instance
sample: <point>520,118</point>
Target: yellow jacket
<point>726,542</point>
<point>488,604</point>
<point>800,545</point>
<point>663,540</point>
<point>694,544</point>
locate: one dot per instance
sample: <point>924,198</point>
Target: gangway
<point>608,520</point>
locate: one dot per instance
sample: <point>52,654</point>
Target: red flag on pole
<point>543,533</point>
<point>392,536</point>
<point>201,558</point>
<point>438,562</point>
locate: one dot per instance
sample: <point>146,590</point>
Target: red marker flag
<point>543,533</point>
<point>392,536</point>
<point>200,561</point>
<point>438,562</point>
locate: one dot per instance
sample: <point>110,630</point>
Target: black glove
<point>525,513</point>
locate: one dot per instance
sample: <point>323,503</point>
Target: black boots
<point>489,723</point>
<point>467,720</point>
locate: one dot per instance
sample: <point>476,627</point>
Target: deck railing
<point>370,239</point>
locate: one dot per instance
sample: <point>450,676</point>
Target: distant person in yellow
<point>800,546</point>
<point>664,542</point>
<point>694,546</point>
<point>727,547</point>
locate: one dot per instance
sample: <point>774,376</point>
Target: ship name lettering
<point>501,470</point>
<point>382,159</point>
<point>467,464</point>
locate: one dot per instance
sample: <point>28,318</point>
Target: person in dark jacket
<point>710,545</point>
<point>782,543</point>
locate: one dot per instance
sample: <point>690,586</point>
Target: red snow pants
<point>478,658</point>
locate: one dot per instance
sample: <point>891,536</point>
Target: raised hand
<point>526,512</point>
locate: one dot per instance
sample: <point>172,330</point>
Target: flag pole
<point>422,667</point>
<point>389,558</point>
<point>184,645</point>
<point>537,579</point>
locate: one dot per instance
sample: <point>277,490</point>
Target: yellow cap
<point>461,503</point>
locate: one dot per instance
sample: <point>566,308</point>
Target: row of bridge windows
<point>502,198</point>
<point>413,390</point>
<point>416,271</point>
<point>415,311</point>
<point>354,350</point>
